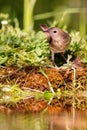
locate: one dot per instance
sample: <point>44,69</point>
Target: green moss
<point>19,48</point>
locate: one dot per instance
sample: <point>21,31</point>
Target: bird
<point>58,40</point>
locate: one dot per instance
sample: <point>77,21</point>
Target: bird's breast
<point>56,46</point>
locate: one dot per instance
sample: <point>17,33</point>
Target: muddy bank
<point>69,88</point>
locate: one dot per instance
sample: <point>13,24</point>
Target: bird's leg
<point>53,59</point>
<point>52,56</point>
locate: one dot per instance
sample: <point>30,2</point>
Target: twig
<point>33,90</point>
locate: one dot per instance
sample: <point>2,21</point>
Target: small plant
<point>21,49</point>
<point>18,48</point>
<point>78,46</point>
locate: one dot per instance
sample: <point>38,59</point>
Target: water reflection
<point>44,121</point>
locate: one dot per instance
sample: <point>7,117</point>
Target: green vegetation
<point>78,46</point>
<point>18,48</point>
<point>28,14</point>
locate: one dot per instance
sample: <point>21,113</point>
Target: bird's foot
<point>55,66</point>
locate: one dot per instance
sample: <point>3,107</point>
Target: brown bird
<point>57,38</point>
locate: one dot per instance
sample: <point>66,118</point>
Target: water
<point>43,121</point>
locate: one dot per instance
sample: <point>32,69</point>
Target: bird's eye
<point>54,31</point>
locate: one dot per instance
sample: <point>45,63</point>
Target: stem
<point>74,85</point>
<point>82,21</point>
<point>54,13</point>
<point>28,14</point>
<point>51,88</point>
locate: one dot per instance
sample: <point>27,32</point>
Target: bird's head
<point>55,33</point>
<point>51,33</point>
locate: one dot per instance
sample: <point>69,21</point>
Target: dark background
<point>73,21</point>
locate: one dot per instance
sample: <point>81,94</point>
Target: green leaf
<point>37,96</point>
<point>38,51</point>
<point>48,95</point>
<point>3,60</point>
<point>58,93</point>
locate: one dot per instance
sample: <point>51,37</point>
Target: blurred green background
<point>31,13</point>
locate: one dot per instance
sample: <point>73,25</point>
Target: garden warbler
<point>57,38</point>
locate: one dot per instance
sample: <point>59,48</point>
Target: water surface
<point>43,121</point>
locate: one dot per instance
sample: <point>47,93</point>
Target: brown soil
<point>31,77</point>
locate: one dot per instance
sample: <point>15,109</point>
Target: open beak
<point>44,27</point>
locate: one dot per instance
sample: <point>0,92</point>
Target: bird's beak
<point>44,27</point>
